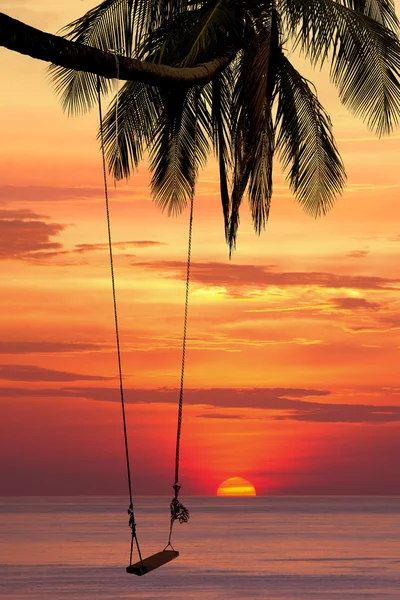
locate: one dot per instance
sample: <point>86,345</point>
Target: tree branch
<point>22,38</point>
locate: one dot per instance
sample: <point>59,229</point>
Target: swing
<point>178,511</point>
<point>152,562</point>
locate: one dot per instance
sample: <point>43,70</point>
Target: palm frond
<point>179,149</point>
<point>221,93</point>
<point>165,43</point>
<point>253,134</point>
<point>108,26</point>
<point>130,132</point>
<point>382,11</point>
<point>166,10</point>
<point>305,142</point>
<point>216,25</point>
<point>77,90</point>
<point>364,54</point>
<point>193,36</point>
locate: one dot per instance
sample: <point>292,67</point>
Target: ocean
<point>286,548</point>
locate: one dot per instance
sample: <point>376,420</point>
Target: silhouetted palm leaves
<point>258,106</point>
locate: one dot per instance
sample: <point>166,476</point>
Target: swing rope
<point>132,523</point>
<point>178,511</point>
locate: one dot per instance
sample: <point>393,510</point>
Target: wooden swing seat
<point>152,562</point>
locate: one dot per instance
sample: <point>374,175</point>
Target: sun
<point>236,486</point>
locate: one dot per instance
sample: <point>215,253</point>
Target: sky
<point>292,378</point>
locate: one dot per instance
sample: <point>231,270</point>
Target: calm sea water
<point>270,548</point>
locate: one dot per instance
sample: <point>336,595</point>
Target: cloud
<point>81,248</point>
<point>221,397</point>
<point>357,253</point>
<point>282,404</point>
<point>26,235</point>
<point>342,413</point>
<point>234,277</point>
<point>32,373</point>
<point>214,415</point>
<point>381,325</point>
<point>354,303</point>
<point>144,243</point>
<point>387,238</point>
<point>27,347</point>
<point>321,412</point>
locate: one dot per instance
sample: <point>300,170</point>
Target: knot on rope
<point>178,511</point>
<point>132,523</point>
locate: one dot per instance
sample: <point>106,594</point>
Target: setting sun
<point>236,486</point>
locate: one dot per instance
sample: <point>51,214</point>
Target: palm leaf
<point>253,134</point>
<point>165,43</point>
<point>194,35</point>
<point>220,100</point>
<point>135,118</point>
<point>365,56</point>
<point>305,142</point>
<point>180,148</point>
<point>382,11</point>
<point>108,26</point>
<point>216,26</point>
<point>77,90</point>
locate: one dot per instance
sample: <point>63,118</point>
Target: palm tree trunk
<point>24,39</point>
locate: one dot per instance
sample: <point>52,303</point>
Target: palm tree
<point>247,101</point>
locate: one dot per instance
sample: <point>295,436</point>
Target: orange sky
<point>292,365</point>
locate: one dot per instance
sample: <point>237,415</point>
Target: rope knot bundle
<point>178,511</point>
<point>132,523</point>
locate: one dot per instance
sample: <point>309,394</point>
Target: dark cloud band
<point>274,403</point>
